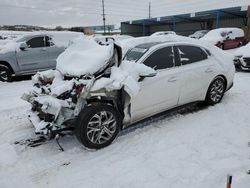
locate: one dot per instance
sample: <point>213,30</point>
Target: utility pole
<point>103,17</point>
<point>149,10</point>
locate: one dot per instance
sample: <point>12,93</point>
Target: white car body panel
<point>178,85</point>
<point>155,95</point>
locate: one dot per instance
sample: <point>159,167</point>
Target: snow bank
<point>127,76</point>
<point>84,57</point>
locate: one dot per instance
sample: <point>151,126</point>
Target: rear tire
<point>222,47</point>
<point>216,91</point>
<point>98,125</point>
<point>5,74</point>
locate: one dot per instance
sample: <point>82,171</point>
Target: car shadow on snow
<point>169,114</point>
<point>21,78</point>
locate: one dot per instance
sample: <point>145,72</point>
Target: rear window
<point>191,54</point>
<point>135,54</point>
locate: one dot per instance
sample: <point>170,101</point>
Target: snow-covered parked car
<point>226,38</point>
<point>30,53</point>
<point>242,57</point>
<point>96,93</point>
<point>199,34</point>
<point>160,33</point>
<point>110,39</point>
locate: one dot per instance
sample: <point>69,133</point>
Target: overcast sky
<point>52,13</point>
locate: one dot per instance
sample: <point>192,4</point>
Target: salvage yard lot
<point>190,150</point>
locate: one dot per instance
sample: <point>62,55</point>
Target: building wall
<point>132,30</point>
<point>185,28</point>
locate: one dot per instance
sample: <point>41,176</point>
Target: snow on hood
<point>10,46</point>
<point>243,51</point>
<point>83,57</point>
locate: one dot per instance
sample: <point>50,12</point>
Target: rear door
<point>157,93</point>
<point>53,52</point>
<point>35,57</point>
<point>197,69</point>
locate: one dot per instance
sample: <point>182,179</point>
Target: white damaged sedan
<point>98,97</point>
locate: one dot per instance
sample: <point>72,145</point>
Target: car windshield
<point>20,39</point>
<point>135,54</point>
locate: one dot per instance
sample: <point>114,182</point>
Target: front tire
<point>97,126</point>
<point>5,74</point>
<point>216,91</point>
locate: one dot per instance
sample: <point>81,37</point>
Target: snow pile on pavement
<point>127,76</point>
<point>190,150</point>
<point>84,57</point>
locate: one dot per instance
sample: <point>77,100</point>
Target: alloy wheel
<point>217,90</point>
<point>101,127</point>
<point>3,75</point>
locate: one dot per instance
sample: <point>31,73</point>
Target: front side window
<point>37,42</point>
<point>191,54</point>
<point>161,59</point>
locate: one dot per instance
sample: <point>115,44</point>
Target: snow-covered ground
<point>190,150</point>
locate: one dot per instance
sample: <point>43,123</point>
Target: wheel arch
<point>5,63</point>
<point>106,100</point>
<point>224,77</point>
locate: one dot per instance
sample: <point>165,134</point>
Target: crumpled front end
<point>48,114</point>
<point>55,101</point>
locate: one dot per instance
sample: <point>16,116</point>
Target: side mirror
<point>23,46</point>
<point>145,76</point>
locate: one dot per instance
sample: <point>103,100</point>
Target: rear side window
<point>161,59</point>
<point>37,42</point>
<point>191,54</point>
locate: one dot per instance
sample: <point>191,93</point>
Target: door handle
<point>208,70</point>
<point>172,79</point>
<point>43,49</point>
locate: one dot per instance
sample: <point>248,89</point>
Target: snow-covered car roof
<point>110,39</point>
<point>159,33</point>
<point>220,34</point>
<point>199,33</point>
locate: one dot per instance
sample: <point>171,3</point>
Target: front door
<point>157,93</point>
<point>35,57</point>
